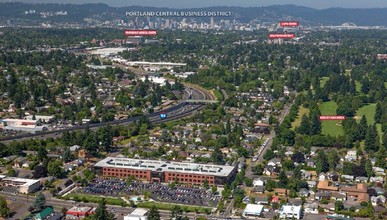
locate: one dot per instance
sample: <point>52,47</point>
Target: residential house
<point>270,170</point>
<point>333,176</point>
<point>351,155</point>
<point>379,190</point>
<point>347,178</point>
<point>378,171</point>
<point>378,200</point>
<point>310,163</point>
<point>21,162</point>
<point>322,195</point>
<point>377,179</point>
<point>281,191</point>
<point>330,207</point>
<point>339,196</point>
<point>311,184</point>
<point>258,182</point>
<point>311,208</point>
<point>303,192</point>
<point>361,179</point>
<point>275,162</point>
<point>259,189</point>
<point>322,177</point>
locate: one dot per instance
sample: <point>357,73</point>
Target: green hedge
<point>168,206</point>
<point>78,197</point>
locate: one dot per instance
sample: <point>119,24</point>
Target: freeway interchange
<point>181,110</point>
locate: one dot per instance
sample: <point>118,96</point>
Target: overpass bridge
<point>204,101</point>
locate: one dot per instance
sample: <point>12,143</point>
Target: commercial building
<point>30,126</point>
<point>41,118</point>
<point>290,211</point>
<point>137,214</point>
<point>23,185</point>
<point>252,210</point>
<point>166,171</point>
<point>79,212</point>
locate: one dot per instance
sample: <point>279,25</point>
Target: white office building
<point>290,211</point>
<point>137,214</point>
<point>252,210</point>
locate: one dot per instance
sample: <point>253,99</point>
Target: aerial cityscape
<point>203,112</point>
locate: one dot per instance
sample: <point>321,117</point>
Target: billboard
<point>274,36</point>
<point>289,24</point>
<point>140,33</point>
<point>332,117</point>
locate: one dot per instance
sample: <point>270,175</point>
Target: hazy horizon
<point>207,3</point>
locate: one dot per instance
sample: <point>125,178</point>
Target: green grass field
<point>330,127</point>
<point>358,86</point>
<point>168,206</point>
<point>218,94</point>
<point>323,81</point>
<point>368,111</point>
<point>302,111</point>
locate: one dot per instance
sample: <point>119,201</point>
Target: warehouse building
<point>166,171</point>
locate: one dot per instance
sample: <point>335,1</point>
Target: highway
<point>179,111</point>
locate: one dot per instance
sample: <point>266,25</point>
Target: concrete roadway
<point>58,204</point>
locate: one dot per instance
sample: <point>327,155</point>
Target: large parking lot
<point>158,192</point>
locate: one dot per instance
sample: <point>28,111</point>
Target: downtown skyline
<point>243,3</point>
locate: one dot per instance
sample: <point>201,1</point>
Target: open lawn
<point>358,86</point>
<point>323,81</point>
<point>333,127</point>
<point>368,111</point>
<point>302,111</point>
<point>168,206</point>
<point>80,197</point>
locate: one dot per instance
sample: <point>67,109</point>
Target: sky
<point>318,4</point>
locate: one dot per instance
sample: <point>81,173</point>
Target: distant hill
<point>77,13</point>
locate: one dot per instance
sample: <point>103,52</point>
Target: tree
<point>298,157</point>
<point>154,213</point>
<point>205,184</point>
<point>322,162</point>
<point>304,125</point>
<point>42,154</point>
<point>372,139</point>
<point>54,168</point>
<point>176,213</point>
<point>217,156</point>
<point>40,202</point>
<point>333,159</point>
<point>214,189</point>
<point>258,169</point>
<point>380,157</point>
<point>101,213</point>
<point>339,206</point>
<point>378,113</point>
<point>282,179</point>
<point>67,155</point>
<point>4,209</point>
<point>11,172</point>
<point>40,171</point>
<point>315,124</point>
<point>368,168</point>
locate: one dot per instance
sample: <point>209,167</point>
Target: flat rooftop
<point>252,209</point>
<point>166,166</point>
<point>18,181</point>
<point>290,209</point>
